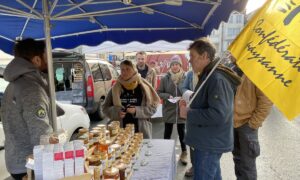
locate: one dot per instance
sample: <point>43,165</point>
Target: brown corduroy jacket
<point>251,105</point>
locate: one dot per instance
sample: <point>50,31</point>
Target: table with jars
<point>120,153</point>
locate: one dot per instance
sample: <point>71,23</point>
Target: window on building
<point>231,19</point>
<point>239,19</point>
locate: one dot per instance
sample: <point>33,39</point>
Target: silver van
<point>83,80</point>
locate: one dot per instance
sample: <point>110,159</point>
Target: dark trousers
<point>246,150</point>
<point>18,176</point>
<point>180,130</point>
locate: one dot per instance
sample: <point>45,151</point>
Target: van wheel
<point>99,113</point>
<point>74,136</point>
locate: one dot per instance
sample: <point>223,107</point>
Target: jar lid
<point>94,158</point>
<point>91,135</point>
<point>101,125</point>
<point>107,141</point>
<point>115,146</point>
<point>83,130</point>
<point>95,131</point>
<point>111,171</point>
<point>120,165</point>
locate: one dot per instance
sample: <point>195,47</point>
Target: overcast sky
<point>254,4</point>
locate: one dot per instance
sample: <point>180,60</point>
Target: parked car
<point>83,80</point>
<point>69,117</point>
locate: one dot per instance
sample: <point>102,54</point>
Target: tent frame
<point>47,15</point>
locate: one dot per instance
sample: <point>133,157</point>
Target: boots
<point>183,158</point>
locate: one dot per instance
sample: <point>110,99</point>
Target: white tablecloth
<point>160,165</point>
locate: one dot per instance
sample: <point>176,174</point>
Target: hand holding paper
<point>187,96</point>
<point>174,99</point>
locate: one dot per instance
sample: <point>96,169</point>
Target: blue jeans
<point>207,165</point>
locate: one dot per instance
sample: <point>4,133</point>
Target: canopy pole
<point>46,16</point>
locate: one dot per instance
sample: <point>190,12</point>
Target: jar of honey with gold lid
<point>111,173</point>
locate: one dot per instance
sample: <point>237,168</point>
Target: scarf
<point>131,83</point>
<point>177,77</point>
<point>152,98</point>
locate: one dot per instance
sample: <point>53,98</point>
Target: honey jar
<point>122,169</point>
<point>117,149</point>
<point>103,147</point>
<point>94,160</point>
<point>111,173</point>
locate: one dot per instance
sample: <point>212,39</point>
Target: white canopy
<point>134,46</point>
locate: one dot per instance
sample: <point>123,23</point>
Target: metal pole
<point>50,64</point>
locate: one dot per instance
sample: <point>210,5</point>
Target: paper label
<point>69,154</point>
<point>79,153</point>
<point>58,156</point>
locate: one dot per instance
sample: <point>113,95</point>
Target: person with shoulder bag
<point>170,89</point>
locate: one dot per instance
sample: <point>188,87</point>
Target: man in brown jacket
<point>251,108</point>
<point>146,71</point>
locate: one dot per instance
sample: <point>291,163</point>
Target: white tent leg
<point>50,63</point>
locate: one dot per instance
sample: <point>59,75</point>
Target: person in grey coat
<point>132,100</point>
<point>169,88</point>
<point>25,109</point>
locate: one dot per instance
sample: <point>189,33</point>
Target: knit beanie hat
<point>175,59</point>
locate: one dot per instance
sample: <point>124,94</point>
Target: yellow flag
<point>268,52</point>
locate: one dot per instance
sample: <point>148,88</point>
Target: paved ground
<point>280,147</point>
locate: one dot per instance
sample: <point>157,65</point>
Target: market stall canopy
<point>91,22</point>
<point>135,46</point>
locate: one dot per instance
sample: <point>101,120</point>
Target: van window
<point>106,72</point>
<point>115,74</point>
<point>97,75</point>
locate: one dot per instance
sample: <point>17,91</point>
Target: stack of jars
<point>83,134</point>
<point>114,128</point>
<point>116,149</point>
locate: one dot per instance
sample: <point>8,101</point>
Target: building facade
<point>227,32</point>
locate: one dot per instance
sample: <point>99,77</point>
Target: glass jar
<point>122,169</point>
<point>127,161</point>
<point>113,129</point>
<point>117,149</point>
<point>130,129</point>
<point>104,144</point>
<point>111,173</point>
<point>110,156</point>
<point>101,126</point>
<point>91,139</point>
<point>82,131</point>
<point>97,173</point>
<point>121,142</point>
<point>107,134</point>
<point>94,160</point>
<point>83,134</point>
<point>103,160</point>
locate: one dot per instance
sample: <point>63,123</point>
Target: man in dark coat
<point>210,115</point>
